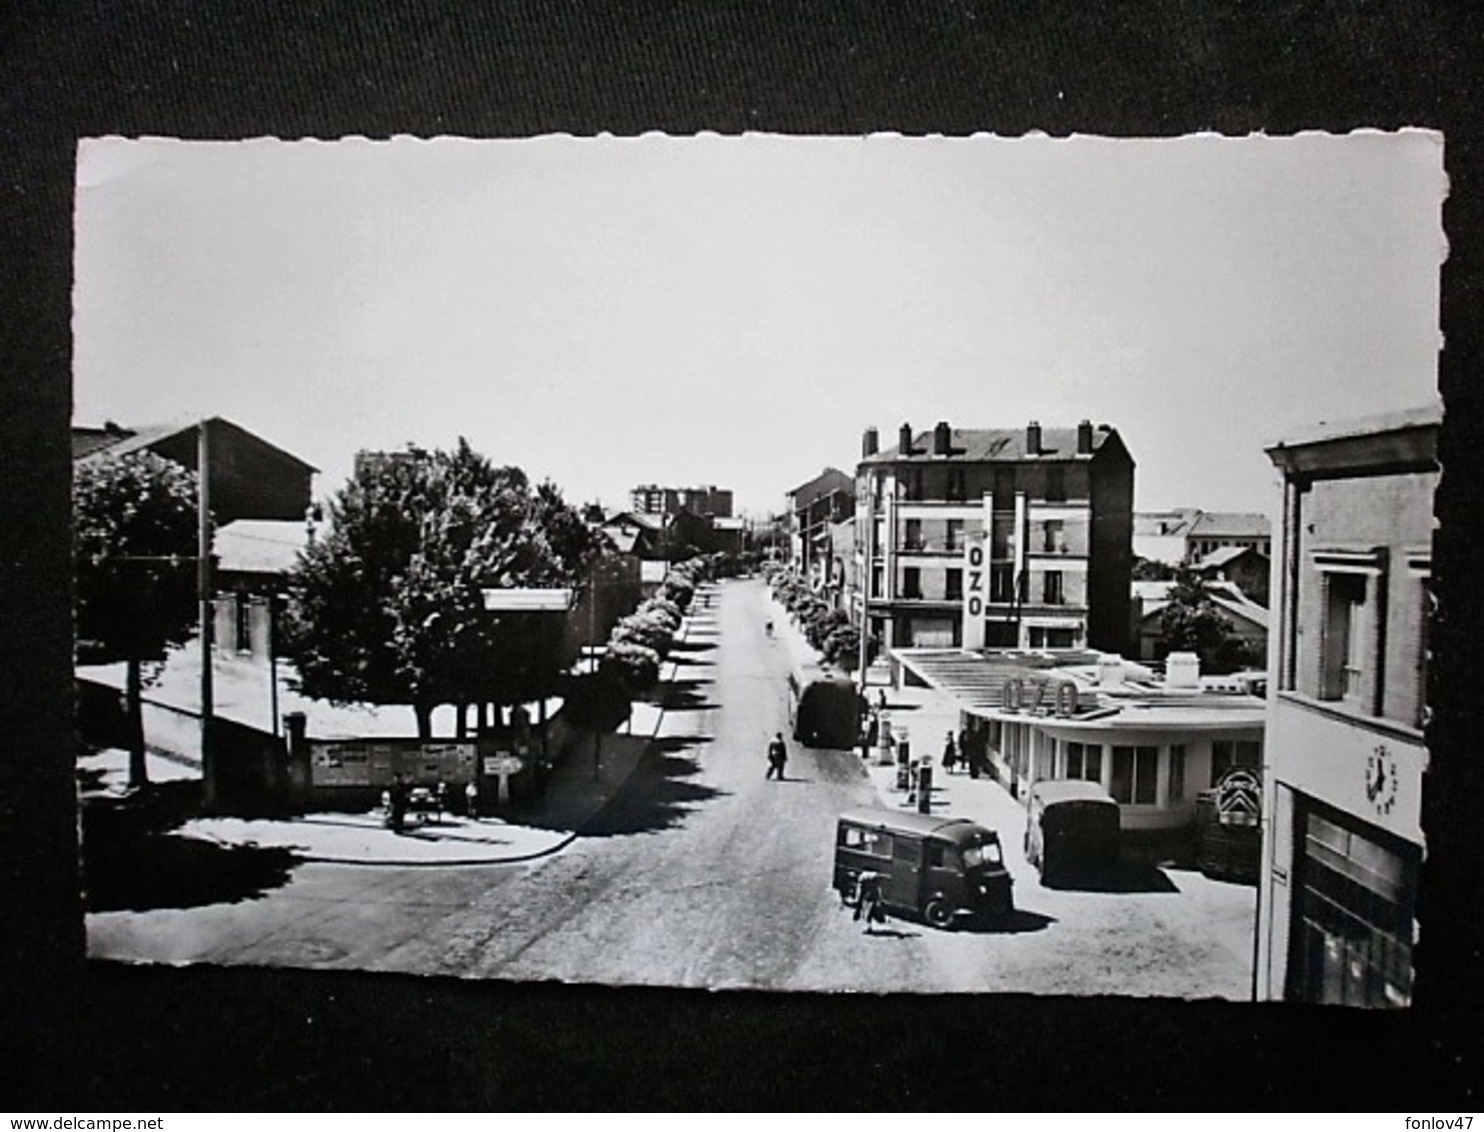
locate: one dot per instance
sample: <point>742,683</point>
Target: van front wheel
<point>939,913</point>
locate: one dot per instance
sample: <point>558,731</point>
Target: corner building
<point>998,538</point>
<point>1344,757</point>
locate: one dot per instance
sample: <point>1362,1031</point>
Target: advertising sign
<point>976,574</point>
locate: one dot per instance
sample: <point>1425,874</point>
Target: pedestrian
<point>442,799</point>
<point>398,803</point>
<point>471,799</point>
<point>777,756</point>
<point>868,900</point>
<point>950,754</point>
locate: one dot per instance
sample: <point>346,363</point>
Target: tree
<point>388,607</point>
<point>597,702</point>
<point>1191,621</point>
<point>135,533</point>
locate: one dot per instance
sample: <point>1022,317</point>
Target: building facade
<point>707,500</point>
<point>815,508</point>
<point>1155,745</point>
<point>1186,534</point>
<point>1342,845</point>
<point>1018,538</point>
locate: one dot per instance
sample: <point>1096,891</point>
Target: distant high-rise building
<point>706,501</point>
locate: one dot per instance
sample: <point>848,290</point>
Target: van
<point>1072,828</point>
<point>823,708</point>
<point>940,870</point>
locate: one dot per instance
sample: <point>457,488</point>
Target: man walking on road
<point>777,756</point>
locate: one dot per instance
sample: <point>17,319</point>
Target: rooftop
<point>997,445</point>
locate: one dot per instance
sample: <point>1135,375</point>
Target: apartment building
<point>707,501</point>
<point>974,538</point>
<point>1345,757</point>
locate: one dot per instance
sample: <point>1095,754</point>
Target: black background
<point>79,1036</point>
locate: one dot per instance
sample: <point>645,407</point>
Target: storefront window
<point>1352,942</point>
<point>1134,777</point>
<point>1085,761</point>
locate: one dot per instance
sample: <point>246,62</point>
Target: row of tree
<point>387,607</point>
<point>828,630</point>
<point>601,700</point>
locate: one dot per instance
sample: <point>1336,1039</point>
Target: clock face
<point>1380,779</point>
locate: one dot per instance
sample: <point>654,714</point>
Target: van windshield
<point>987,853</point>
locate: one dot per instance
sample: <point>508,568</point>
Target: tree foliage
<point>135,532</point>
<point>1191,621</point>
<point>388,606</point>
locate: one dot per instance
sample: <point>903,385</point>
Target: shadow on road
<point>1126,878</point>
<point>690,646</point>
<point>685,695</point>
<point>658,794</point>
<point>1018,922</point>
<point>133,861</point>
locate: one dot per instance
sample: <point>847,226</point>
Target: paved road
<point>704,874</point>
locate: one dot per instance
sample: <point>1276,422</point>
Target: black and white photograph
<point>925,565</point>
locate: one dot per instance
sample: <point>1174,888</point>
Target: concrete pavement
<point>925,716</point>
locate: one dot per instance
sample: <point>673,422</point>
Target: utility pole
<point>203,593</point>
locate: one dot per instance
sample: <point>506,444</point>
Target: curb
<point>659,719</point>
<point>461,863</point>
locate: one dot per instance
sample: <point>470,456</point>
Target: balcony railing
<point>931,546</point>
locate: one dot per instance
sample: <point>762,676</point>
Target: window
<point>1085,761</point>
<point>1177,772</point>
<point>1054,536</point>
<point>955,535</point>
<point>1056,484</point>
<point>911,581</point>
<point>912,484</point>
<point>956,490</point>
<point>1424,645</point>
<point>871,841</point>
<point>1004,488</point>
<point>1135,771</point>
<point>1051,589</point>
<point>1061,637</point>
<point>1343,640</point>
<point>878,580</point>
<point>1352,933</point>
<point>912,535</point>
<point>244,623</point>
<point>1001,583</point>
<point>953,585</point>
<point>1227,754</point>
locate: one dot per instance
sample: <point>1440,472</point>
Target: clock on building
<point>1380,779</point>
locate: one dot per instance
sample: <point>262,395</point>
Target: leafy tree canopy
<point>131,515</point>
<point>388,606</point>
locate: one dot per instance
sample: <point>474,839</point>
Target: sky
<point>607,312</point>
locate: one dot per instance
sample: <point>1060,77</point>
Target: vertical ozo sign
<point>975,570</point>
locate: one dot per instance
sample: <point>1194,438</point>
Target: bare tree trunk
<point>424,713</point>
<point>461,716</point>
<point>134,724</point>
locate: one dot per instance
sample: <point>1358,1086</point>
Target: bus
<point>823,707</point>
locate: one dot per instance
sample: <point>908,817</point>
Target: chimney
<point>1033,438</point>
<point>942,439</point>
<point>904,441</point>
<point>1084,438</point>
<point>870,441</point>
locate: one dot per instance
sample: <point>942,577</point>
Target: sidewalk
<point>574,797</point>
